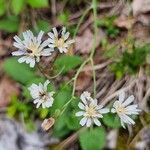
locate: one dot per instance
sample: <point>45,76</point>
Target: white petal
<point>122,124</point>
<point>126,119</point>
<point>81,106</point>
<point>38,105</point>
<point>121,96</point>
<point>47,52</point>
<point>51,45</point>
<point>55,32</point>
<point>128,100</point>
<point>83,121</point>
<point>80,113</point>
<point>66,36</point>
<point>22,59</point>
<point>113,110</point>
<point>97,122</point>
<point>18,45</point>
<point>70,42</point>
<point>89,122</point>
<point>46,84</point>
<point>51,40</point>
<point>44,44</point>
<point>103,111</point>
<point>48,103</point>
<point>40,35</point>
<point>18,53</point>
<point>51,35</point>
<point>17,39</point>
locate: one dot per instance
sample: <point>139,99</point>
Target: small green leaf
<point>67,63</point>
<point>38,3</point>
<point>2,7</point>
<point>42,25</point>
<point>17,6</point>
<point>72,121</point>
<point>10,24</point>
<point>92,139</point>
<point>19,72</point>
<point>62,96</point>
<point>60,128</point>
<point>111,120</point>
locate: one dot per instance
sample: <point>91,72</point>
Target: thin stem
<point>77,74</point>
<point>80,21</point>
<point>94,78</point>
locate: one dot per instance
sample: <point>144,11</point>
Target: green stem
<point>80,21</point>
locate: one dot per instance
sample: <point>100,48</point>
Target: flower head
<point>40,95</point>
<point>123,109</point>
<point>31,48</point>
<point>60,40</point>
<point>91,111</point>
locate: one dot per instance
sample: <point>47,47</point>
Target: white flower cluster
<point>91,111</point>
<point>31,48</point>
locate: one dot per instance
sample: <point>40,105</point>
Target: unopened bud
<point>47,123</point>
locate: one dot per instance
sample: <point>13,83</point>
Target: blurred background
<point>122,61</point>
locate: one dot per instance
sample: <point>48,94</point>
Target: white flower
<point>59,40</point>
<point>123,109</point>
<point>40,95</point>
<point>31,48</point>
<point>91,111</point>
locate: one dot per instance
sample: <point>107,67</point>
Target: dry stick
<point>107,99</point>
<point>96,67</point>
<point>69,140</point>
<point>137,136</point>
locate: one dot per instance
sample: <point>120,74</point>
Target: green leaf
<point>38,3</point>
<point>64,17</point>
<point>67,63</point>
<point>60,128</point>
<point>72,121</point>
<point>62,97</point>
<point>17,6</point>
<point>19,72</point>
<point>92,139</point>
<point>2,7</point>
<point>10,24</point>
<point>42,25</point>
<point>111,120</point>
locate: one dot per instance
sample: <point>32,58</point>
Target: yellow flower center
<point>43,96</point>
<point>121,110</point>
<point>32,49</point>
<point>90,111</point>
<point>59,42</point>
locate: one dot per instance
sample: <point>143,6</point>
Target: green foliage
<point>111,120</point>
<point>60,128</point>
<point>19,72</point>
<point>62,96</point>
<point>67,63</point>
<point>17,107</point>
<point>130,62</point>
<point>17,6</point>
<point>64,17</point>
<point>108,24</point>
<point>92,139</point>
<point>2,7</point>
<point>9,24</point>
<point>38,3</point>
<point>42,25</point>
<point>72,121</point>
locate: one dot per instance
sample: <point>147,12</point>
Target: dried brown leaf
<point>8,88</point>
